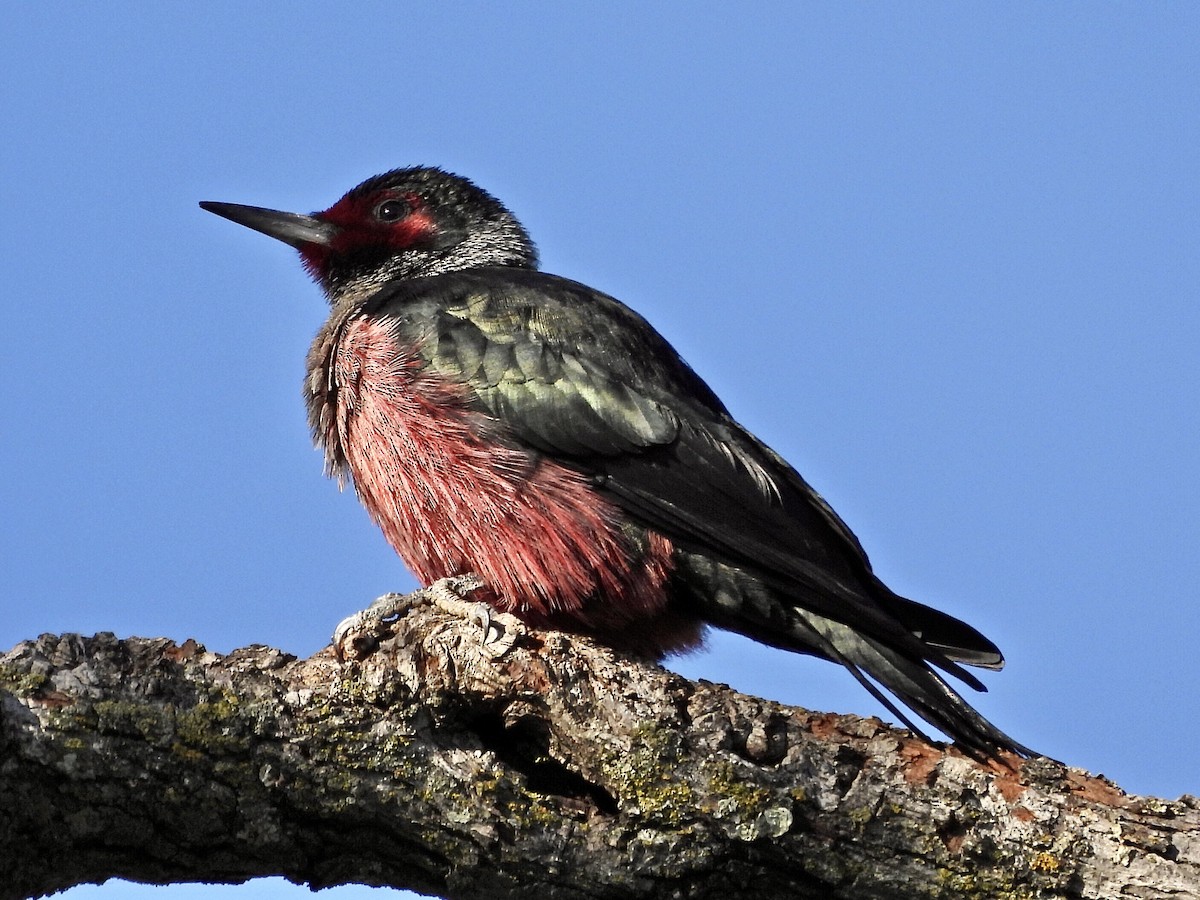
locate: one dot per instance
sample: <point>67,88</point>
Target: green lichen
<point>861,815</point>
<point>747,798</point>
<point>532,813</point>
<point>1045,862</point>
<point>638,777</point>
<point>125,717</point>
<point>993,883</point>
<point>21,684</point>
<point>348,688</point>
<point>215,727</point>
<point>485,786</point>
<point>960,885</point>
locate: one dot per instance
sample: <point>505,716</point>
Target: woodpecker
<point>501,421</point>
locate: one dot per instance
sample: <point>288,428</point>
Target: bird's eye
<point>392,210</point>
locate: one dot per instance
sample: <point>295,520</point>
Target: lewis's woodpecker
<point>498,420</point>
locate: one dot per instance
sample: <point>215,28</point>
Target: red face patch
<point>390,221</point>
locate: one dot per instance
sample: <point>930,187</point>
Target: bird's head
<point>403,224</point>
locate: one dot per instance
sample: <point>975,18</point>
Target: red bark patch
<point>1010,788</point>
<point>180,652</point>
<point>825,725</point>
<point>920,762</point>
<point>1096,789</point>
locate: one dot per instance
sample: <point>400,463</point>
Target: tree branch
<point>563,770</point>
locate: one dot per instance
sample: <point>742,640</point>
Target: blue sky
<point>942,257</point>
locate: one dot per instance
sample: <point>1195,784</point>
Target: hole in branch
<point>524,744</point>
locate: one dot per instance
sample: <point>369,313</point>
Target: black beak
<point>291,228</point>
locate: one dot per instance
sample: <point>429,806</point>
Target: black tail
<point>913,682</point>
<point>894,666</point>
<point>954,638</point>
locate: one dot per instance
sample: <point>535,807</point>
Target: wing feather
<point>603,392</point>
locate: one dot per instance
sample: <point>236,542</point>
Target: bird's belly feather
<point>452,494</point>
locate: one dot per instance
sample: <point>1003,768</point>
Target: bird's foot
<point>358,635</point>
<point>500,630</point>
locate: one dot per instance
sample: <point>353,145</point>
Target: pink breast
<point>453,493</point>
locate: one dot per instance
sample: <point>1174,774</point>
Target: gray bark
<point>562,770</point>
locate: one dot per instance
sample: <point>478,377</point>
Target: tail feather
<point>913,682</point>
<point>773,611</point>
<point>735,599</point>
<point>955,638</point>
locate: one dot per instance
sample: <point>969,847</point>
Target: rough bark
<point>563,770</point>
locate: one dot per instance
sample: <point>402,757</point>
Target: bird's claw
<point>500,630</point>
<point>357,636</point>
